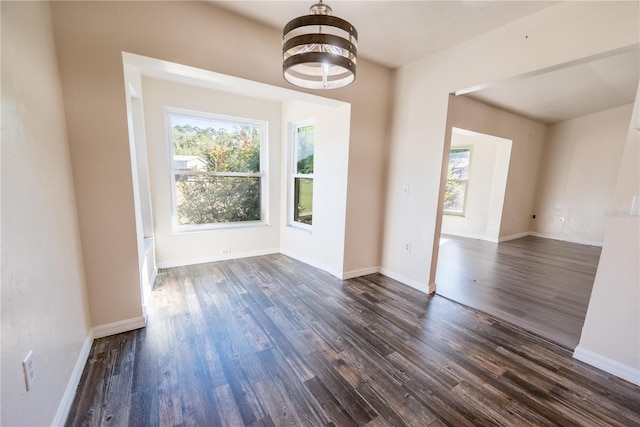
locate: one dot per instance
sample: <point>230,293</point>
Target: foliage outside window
<point>215,170</point>
<point>455,195</point>
<point>302,174</point>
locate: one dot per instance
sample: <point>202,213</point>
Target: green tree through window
<point>457,180</point>
<point>303,153</point>
<point>216,170</point>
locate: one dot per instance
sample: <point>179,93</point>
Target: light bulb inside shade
<point>332,49</point>
<point>325,72</point>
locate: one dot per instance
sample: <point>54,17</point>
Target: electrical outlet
<point>29,370</point>
<point>407,247</point>
<point>225,252</point>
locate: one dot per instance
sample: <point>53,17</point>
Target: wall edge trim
<point>514,236</point>
<point>360,272</point>
<point>578,241</point>
<point>427,289</point>
<point>214,258</point>
<point>119,327</point>
<point>470,236</point>
<point>70,391</point>
<point>611,366</point>
<point>312,263</point>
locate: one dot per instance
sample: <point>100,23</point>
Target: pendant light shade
<point>319,50</point>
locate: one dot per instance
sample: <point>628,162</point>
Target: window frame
<point>293,175</point>
<point>464,182</point>
<point>263,129</point>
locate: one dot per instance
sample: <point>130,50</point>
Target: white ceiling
<point>568,92</point>
<point>395,33</point>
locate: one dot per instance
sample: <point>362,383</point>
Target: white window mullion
<point>301,174</point>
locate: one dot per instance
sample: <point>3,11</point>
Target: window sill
<point>204,228</point>
<point>304,228</point>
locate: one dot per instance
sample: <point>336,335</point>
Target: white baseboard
<point>152,281</point>
<point>564,239</point>
<point>357,273</point>
<point>312,263</point>
<point>608,365</point>
<point>213,258</point>
<point>525,234</point>
<point>514,236</point>
<point>472,236</point>
<point>118,327</point>
<point>427,289</point>
<point>70,392</point>
<point>97,332</point>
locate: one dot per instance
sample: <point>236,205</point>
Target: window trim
<point>465,182</point>
<point>263,128</point>
<point>293,175</point>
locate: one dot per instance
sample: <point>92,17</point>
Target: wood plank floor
<point>540,285</point>
<point>270,341</point>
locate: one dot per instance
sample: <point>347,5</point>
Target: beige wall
<point>91,37</point>
<point>564,170</point>
<point>611,334</point>
<point>187,248</point>
<point>528,140</point>
<point>579,174</point>
<point>44,305</point>
<point>368,157</point>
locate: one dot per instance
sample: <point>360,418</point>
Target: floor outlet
<point>29,370</point>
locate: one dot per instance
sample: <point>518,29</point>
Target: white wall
<point>557,35</point>
<point>488,171</point>
<point>324,245</point>
<point>91,37</point>
<point>44,306</point>
<point>579,174</point>
<point>611,333</point>
<point>185,247</point>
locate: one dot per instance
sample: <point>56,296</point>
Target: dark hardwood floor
<point>540,285</point>
<point>270,341</point>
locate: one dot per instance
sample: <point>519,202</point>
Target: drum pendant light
<point>319,50</point>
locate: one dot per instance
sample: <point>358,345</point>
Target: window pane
<point>214,145</point>
<point>205,199</point>
<point>303,199</point>
<point>454,196</point>
<point>304,150</point>
<point>459,163</point>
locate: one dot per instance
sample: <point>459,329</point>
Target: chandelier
<point>319,50</point>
